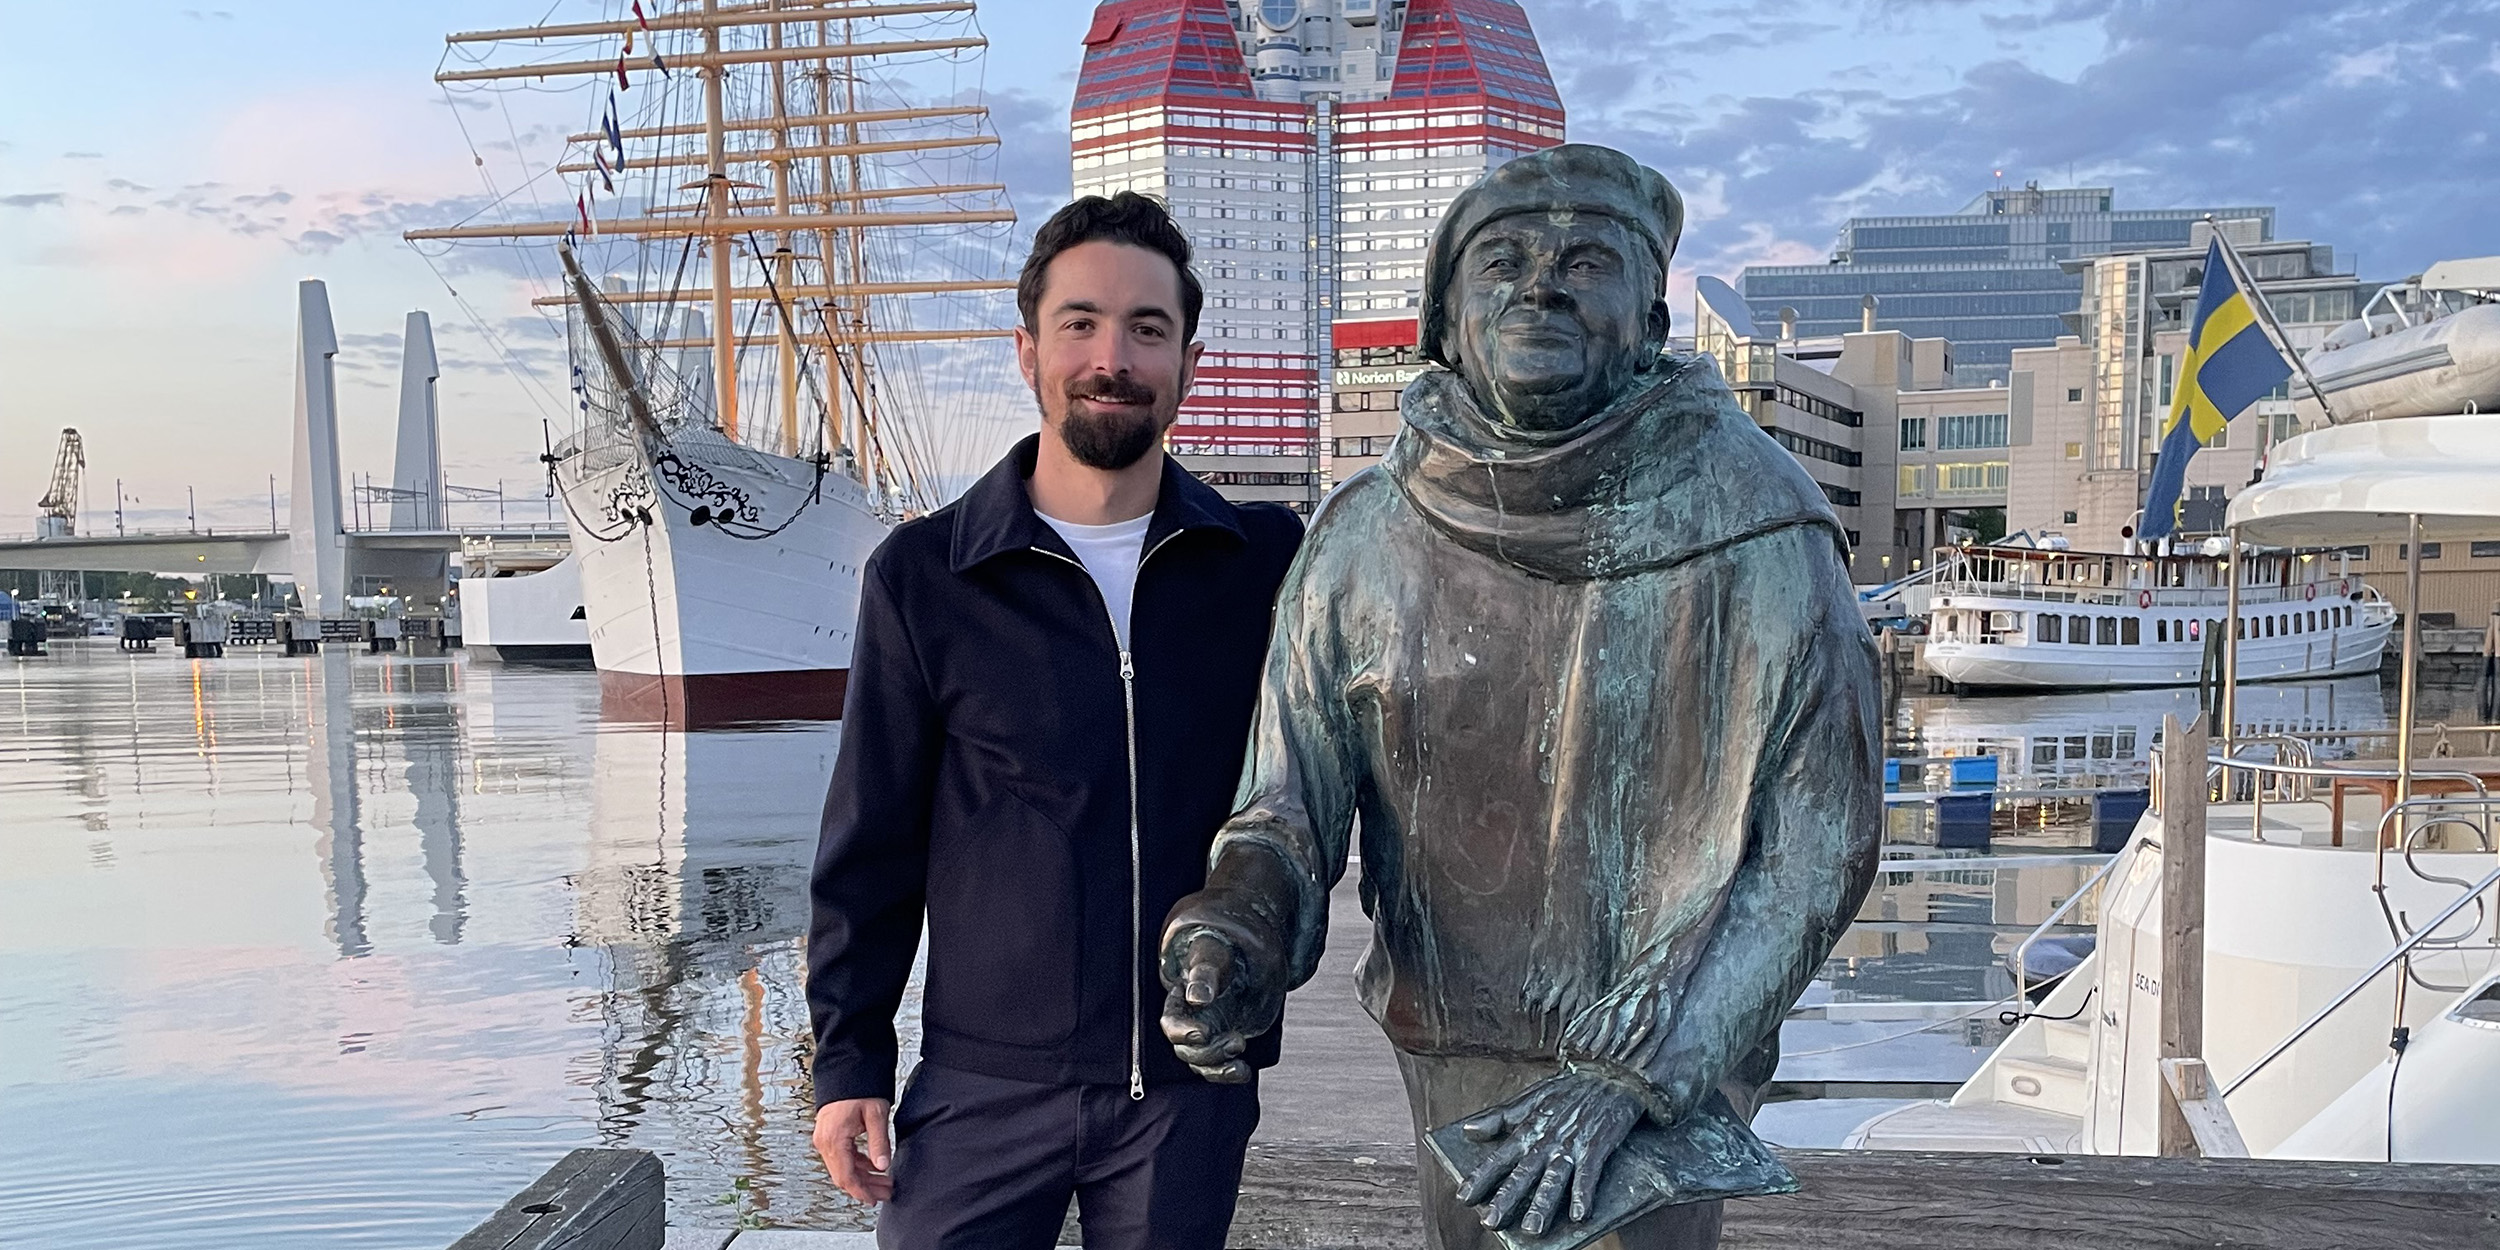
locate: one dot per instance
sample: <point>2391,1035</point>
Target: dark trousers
<point>984,1162</point>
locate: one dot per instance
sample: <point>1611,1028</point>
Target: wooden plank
<point>1300,1197</point>
<point>2188,1088</point>
<point>590,1200</point>
<point>2182,912</point>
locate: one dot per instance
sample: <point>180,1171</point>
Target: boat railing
<point>2403,953</point>
<point>2018,962</point>
<point>2256,780</point>
<point>2125,596</point>
<point>2443,738</point>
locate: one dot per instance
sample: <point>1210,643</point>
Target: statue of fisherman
<point>1583,656</point>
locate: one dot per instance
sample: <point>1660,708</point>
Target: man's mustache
<point>1112,390</point>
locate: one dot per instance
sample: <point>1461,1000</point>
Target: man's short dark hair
<point>1130,218</point>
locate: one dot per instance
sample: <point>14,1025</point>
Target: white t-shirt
<point>1110,553</point>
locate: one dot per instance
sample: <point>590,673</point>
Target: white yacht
<point>2015,616</point>
<point>2351,935</point>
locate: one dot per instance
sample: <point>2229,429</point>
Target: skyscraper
<point>1308,148</point>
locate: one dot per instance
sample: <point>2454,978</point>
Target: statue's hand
<point>1216,1001</point>
<point>1556,1140</point>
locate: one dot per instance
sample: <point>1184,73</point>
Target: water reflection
<point>2105,736</point>
<point>341,950</point>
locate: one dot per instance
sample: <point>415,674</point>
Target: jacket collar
<point>996,516</point>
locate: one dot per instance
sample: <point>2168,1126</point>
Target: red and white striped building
<point>1307,147</point>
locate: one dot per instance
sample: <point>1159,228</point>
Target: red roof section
<point>1399,332</point>
<point>1140,50</point>
<point>1472,47</point>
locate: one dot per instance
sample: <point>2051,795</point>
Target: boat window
<point>2161,631</point>
<point>2108,635</point>
<point>2239,627</point>
<point>2130,632</point>
<point>2052,628</point>
<point>2313,621</point>
<point>2079,629</point>
<point>2196,631</point>
<point>2482,1009</point>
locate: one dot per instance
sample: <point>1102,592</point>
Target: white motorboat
<point>521,603</point>
<point>2425,346</point>
<point>2023,617</point>
<point>2350,947</point>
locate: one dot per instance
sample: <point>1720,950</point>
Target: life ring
<point>2344,587</point>
<point>2144,598</point>
<point>2313,591</point>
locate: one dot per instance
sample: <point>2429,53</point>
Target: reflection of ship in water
<point>694,894</point>
<point>2085,738</point>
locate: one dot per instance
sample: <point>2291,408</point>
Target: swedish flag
<point>2229,365</point>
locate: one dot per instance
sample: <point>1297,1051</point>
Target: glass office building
<point>1989,278</point>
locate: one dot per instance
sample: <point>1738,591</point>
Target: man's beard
<point>1111,441</point>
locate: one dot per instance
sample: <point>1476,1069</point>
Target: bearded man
<point>1050,692</point>
<point>1583,656</point>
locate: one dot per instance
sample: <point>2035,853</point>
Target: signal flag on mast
<point>2229,364</point>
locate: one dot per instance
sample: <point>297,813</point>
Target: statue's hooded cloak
<point>1607,710</point>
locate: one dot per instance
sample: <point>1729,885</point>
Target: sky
<point>169,172</point>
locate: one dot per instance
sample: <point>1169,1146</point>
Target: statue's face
<point>1555,312</point>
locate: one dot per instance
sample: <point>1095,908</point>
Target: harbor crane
<point>60,504</point>
<point>59,518</point>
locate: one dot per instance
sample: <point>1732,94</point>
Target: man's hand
<point>1215,1004</point>
<point>839,1127</point>
<point>1557,1138</point>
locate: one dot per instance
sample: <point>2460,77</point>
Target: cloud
<point>82,156</point>
<point>2224,103</point>
<point>33,199</point>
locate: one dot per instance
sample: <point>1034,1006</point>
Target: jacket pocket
<point>1003,928</point>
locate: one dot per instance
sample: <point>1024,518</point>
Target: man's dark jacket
<point>984,780</point>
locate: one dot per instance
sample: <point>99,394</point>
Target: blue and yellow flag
<point>2229,364</point>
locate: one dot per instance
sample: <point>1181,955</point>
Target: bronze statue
<point>1583,656</point>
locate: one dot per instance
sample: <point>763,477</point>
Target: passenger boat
<point>2009,616</point>
<point>2347,937</point>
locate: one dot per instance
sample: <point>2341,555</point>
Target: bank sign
<point>1367,379</point>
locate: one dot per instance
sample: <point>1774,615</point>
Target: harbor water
<point>342,950</point>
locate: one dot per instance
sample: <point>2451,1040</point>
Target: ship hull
<point>530,619</point>
<point>719,583</point>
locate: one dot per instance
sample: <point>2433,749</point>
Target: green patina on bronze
<point>1582,656</point>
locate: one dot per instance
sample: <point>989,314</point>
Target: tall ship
<point>2010,616</point>
<point>781,284</point>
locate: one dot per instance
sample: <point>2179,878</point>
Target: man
<point>1050,692</point>
<point>1582,655</point>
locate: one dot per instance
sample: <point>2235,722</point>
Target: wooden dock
<point>1362,1198</point>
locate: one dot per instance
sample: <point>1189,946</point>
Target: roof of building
<point>1140,50</point>
<point>1472,47</point>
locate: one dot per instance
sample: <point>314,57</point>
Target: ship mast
<point>716,182</point>
<point>830,218</point>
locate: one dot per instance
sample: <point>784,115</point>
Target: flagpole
<point>2265,316</point>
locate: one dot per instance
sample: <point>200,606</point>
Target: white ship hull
<point>526,618</point>
<point>719,583</point>
<point>2329,653</point>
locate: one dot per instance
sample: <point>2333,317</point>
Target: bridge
<point>322,549</point>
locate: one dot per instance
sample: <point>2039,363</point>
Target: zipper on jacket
<point>1136,837</point>
<point>1136,886</point>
